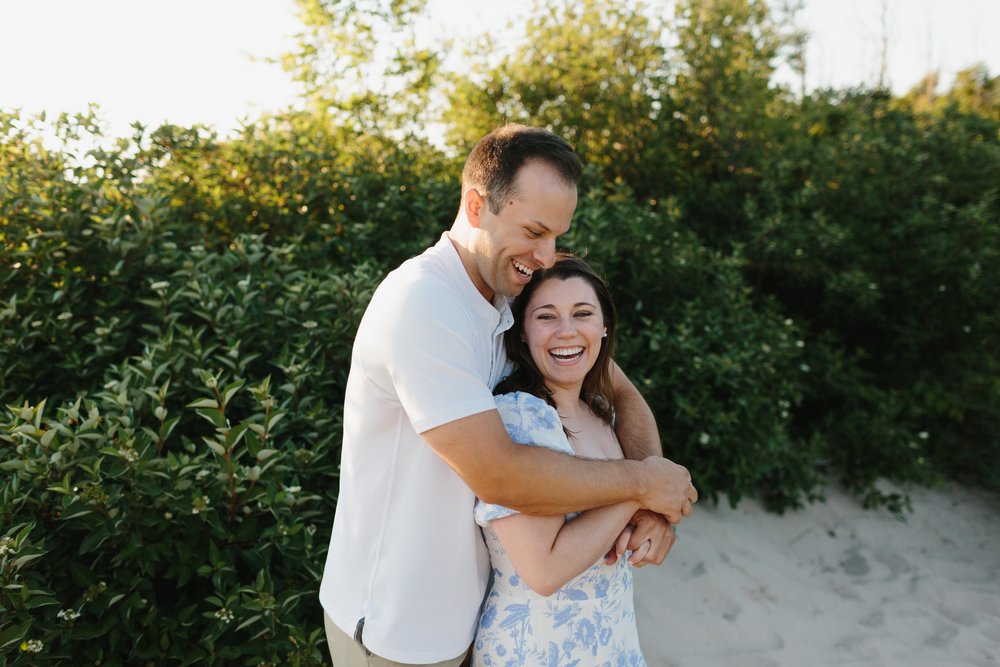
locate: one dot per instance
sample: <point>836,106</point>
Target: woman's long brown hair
<point>596,391</point>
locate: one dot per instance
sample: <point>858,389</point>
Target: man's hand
<point>669,490</point>
<point>652,532</point>
<point>648,535</point>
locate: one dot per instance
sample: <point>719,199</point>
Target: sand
<point>832,584</point>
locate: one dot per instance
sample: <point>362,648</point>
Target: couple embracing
<point>547,493</point>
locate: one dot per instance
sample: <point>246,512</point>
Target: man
<point>407,567</point>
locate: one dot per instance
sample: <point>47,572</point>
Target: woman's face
<point>563,328</point>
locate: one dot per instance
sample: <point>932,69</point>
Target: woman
<point>561,595</point>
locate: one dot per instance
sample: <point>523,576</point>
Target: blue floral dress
<point>589,622</point>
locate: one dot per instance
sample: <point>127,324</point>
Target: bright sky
<point>189,61</point>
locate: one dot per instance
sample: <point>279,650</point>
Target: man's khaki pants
<point>347,652</point>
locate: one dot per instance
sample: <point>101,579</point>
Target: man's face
<point>510,246</point>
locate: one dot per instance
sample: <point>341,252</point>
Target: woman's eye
<point>584,313</point>
<point>533,234</point>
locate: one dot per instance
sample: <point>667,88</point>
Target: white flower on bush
<point>704,438</point>
<point>199,505</point>
<point>923,435</point>
<point>32,646</point>
<point>129,454</point>
<point>65,315</point>
<point>6,546</point>
<point>68,615</point>
<point>225,615</point>
<point>309,324</point>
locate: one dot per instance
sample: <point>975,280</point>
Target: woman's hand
<point>648,535</point>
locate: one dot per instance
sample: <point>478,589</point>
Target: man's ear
<point>474,204</point>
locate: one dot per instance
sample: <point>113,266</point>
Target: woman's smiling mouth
<point>566,355</point>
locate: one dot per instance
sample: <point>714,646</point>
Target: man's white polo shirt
<point>406,554</point>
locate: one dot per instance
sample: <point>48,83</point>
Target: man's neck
<point>458,241</point>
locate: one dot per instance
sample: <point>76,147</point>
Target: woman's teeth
<point>566,353</point>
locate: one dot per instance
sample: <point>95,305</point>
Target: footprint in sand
<point>942,636</point>
<point>873,620</point>
<point>854,563</point>
<point>721,603</point>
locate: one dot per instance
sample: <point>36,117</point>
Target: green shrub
<point>722,373</point>
<point>149,546</point>
<point>179,538</point>
<point>170,448</point>
<point>878,231</point>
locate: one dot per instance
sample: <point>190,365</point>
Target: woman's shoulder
<point>527,407</point>
<point>522,399</point>
<point>531,420</point>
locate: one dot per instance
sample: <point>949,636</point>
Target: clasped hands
<point>650,534</point>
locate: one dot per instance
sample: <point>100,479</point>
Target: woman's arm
<point>548,551</point>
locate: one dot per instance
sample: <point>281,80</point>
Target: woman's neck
<point>567,400</point>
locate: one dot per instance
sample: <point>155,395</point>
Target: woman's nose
<point>566,328</point>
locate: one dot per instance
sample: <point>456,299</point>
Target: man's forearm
<point>535,480</point>
<point>634,421</point>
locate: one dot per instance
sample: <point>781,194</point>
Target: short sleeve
<point>423,348</point>
<point>529,421</point>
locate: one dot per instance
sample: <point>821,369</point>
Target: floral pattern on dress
<point>589,622</point>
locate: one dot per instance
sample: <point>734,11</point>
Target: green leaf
<point>14,634</point>
<point>204,403</point>
<point>275,417</point>
<point>18,562</point>
<point>168,427</point>
<point>93,541</point>
<point>37,601</point>
<point>215,446</point>
<point>231,389</point>
<point>250,621</point>
<point>82,577</point>
<point>265,453</point>
<point>236,434</point>
<point>215,416</point>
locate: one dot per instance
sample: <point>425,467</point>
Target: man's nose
<point>545,253</point>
